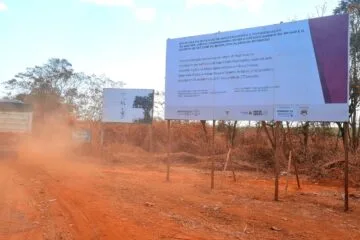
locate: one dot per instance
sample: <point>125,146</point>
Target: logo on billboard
<point>246,113</point>
<point>255,113</point>
<point>259,113</point>
<point>188,112</point>
<point>285,112</point>
<point>304,112</point>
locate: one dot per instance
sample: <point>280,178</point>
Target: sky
<point>126,39</point>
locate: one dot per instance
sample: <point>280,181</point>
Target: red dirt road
<point>72,198</point>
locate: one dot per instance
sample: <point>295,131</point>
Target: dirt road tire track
<point>66,214</point>
<point>72,199</point>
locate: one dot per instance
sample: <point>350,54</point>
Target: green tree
<point>46,86</point>
<point>147,104</point>
<point>55,84</point>
<point>352,7</point>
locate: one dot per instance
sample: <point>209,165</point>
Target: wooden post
<point>228,156</point>
<point>168,152</point>
<point>297,174</point>
<point>151,146</point>
<point>102,133</point>
<point>231,144</point>
<point>288,173</point>
<point>346,167</point>
<point>272,142</point>
<point>294,161</point>
<point>151,137</point>
<point>203,124</point>
<point>276,156</point>
<point>213,156</point>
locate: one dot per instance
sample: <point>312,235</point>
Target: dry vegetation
<point>321,158</point>
<point>61,190</point>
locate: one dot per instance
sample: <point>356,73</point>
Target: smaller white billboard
<point>19,122</point>
<point>81,136</point>
<point>122,105</point>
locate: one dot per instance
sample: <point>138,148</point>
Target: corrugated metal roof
<point>14,106</point>
<point>10,101</point>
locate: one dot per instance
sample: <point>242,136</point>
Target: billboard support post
<point>102,138</point>
<point>288,172</point>
<point>346,166</point>
<point>151,147</point>
<point>296,174</point>
<point>213,155</point>
<point>102,133</point>
<point>276,159</point>
<point>151,137</point>
<point>168,152</point>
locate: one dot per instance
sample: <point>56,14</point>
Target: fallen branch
<point>227,159</point>
<point>337,162</point>
<point>288,173</point>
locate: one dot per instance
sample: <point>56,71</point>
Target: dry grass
<point>192,145</point>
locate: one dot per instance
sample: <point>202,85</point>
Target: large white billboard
<point>122,105</point>
<point>294,71</point>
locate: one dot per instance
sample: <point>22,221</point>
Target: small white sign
<point>128,105</point>
<point>82,136</point>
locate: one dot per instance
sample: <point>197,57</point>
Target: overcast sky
<point>125,39</point>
